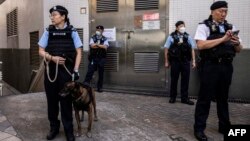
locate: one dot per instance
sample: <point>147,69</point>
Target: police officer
<point>61,48</point>
<point>217,47</point>
<point>97,56</point>
<point>179,50</point>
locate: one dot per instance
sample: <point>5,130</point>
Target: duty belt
<point>220,60</point>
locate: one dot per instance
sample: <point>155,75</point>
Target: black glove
<point>75,75</point>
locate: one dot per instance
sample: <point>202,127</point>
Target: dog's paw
<point>78,134</point>
<point>95,118</point>
<point>89,134</point>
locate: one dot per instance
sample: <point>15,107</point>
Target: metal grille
<point>80,33</point>
<point>106,6</point>
<point>146,61</point>
<point>112,62</point>
<point>12,25</point>
<point>34,55</point>
<point>146,4</point>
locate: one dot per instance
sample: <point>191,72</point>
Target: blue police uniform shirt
<point>106,43</point>
<point>170,41</point>
<point>43,42</point>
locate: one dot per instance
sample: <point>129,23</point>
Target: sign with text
<point>151,25</point>
<point>110,34</point>
<point>237,133</point>
<point>149,17</point>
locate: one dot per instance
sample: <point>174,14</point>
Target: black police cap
<point>179,23</point>
<point>60,9</point>
<point>218,4</point>
<point>100,27</point>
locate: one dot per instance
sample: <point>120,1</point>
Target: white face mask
<point>182,30</point>
<point>98,33</point>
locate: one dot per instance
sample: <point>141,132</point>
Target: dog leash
<point>57,63</point>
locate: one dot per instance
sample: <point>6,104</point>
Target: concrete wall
<point>195,11</point>
<point>76,19</point>
<point>30,17</point>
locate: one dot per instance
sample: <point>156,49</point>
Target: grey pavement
<point>122,117</point>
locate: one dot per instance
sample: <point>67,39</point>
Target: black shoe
<point>100,90</point>
<point>52,134</point>
<point>200,136</point>
<point>70,138</point>
<point>223,129</point>
<point>189,102</point>
<point>172,100</point>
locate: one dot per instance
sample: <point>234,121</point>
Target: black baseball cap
<point>100,27</point>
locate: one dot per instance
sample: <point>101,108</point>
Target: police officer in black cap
<point>61,48</point>
<point>97,57</point>
<point>218,46</point>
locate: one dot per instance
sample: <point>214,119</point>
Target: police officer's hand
<point>193,64</point>
<point>235,40</point>
<point>167,65</point>
<point>76,75</point>
<point>58,59</point>
<point>227,36</point>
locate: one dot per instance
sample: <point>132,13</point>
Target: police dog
<point>83,98</point>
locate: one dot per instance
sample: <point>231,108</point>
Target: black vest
<point>60,43</point>
<point>98,52</point>
<point>224,50</point>
<point>180,51</point>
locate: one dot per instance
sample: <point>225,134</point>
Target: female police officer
<point>217,47</point>
<point>60,46</point>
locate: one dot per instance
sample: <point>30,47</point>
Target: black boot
<point>52,133</point>
<point>70,137</point>
<point>54,130</point>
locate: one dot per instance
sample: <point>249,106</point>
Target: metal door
<point>135,60</point>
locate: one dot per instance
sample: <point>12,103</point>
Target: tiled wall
<point>195,11</point>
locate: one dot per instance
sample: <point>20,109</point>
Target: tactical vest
<point>180,51</point>
<point>60,43</point>
<point>98,52</point>
<point>224,50</point>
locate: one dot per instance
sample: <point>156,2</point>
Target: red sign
<point>148,17</point>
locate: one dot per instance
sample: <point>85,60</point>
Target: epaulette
<point>50,27</point>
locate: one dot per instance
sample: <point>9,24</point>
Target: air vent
<point>106,6</point>
<point>12,23</point>
<point>146,4</point>
<point>80,33</point>
<point>34,55</point>
<point>146,62</point>
<point>112,62</point>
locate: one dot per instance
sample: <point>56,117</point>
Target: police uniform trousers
<point>215,80</point>
<point>94,65</point>
<point>53,99</point>
<point>179,68</point>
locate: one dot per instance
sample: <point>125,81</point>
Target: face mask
<point>98,33</point>
<point>182,30</point>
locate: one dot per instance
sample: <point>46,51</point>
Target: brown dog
<point>83,100</point>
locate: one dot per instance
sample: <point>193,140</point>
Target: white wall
<point>195,11</point>
<point>29,20</point>
<point>76,19</point>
